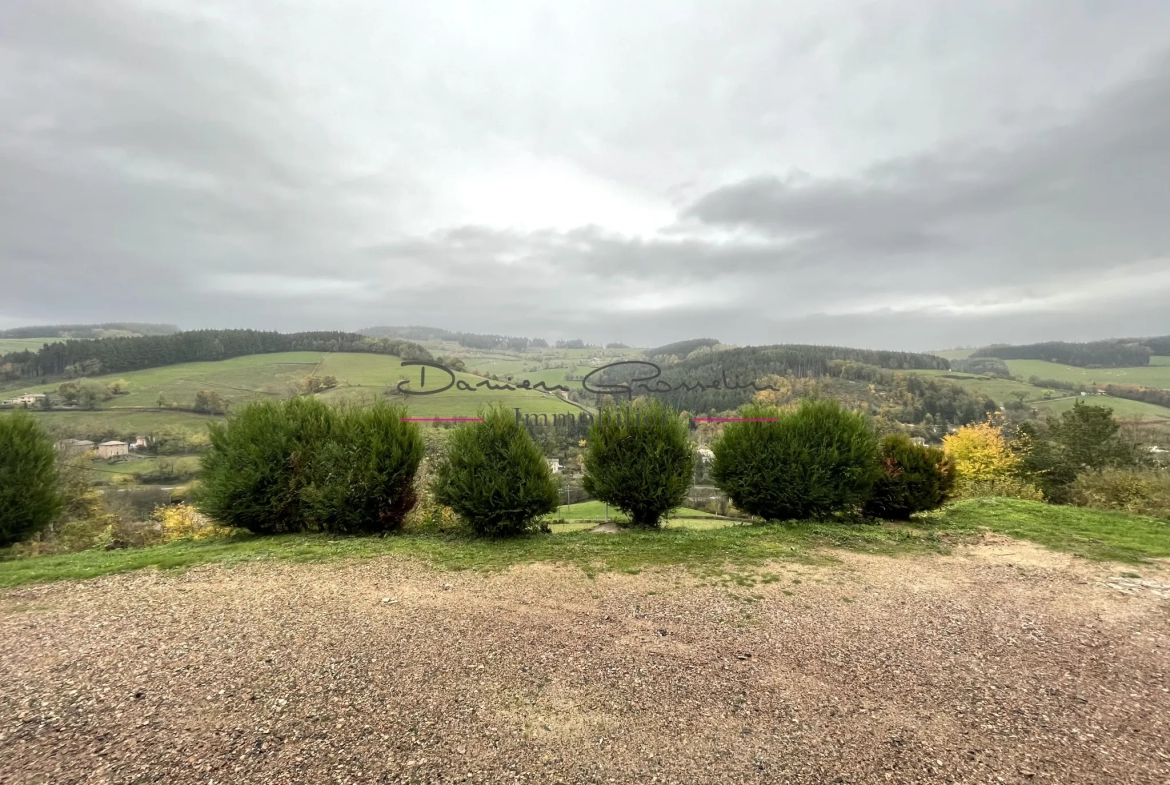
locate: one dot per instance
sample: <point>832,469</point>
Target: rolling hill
<point>360,376</point>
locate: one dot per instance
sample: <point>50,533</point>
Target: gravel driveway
<point>1002,663</point>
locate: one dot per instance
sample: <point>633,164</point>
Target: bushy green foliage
<point>363,476</point>
<point>1084,438</point>
<point>300,465</point>
<point>982,365</point>
<point>259,465</point>
<point>494,476</point>
<point>639,460</point>
<point>29,494</point>
<point>210,402</point>
<point>809,463</point>
<point>1132,490</point>
<point>912,478</point>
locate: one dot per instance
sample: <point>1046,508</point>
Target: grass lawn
<point>595,511</point>
<point>1157,374</point>
<point>735,552</point>
<point>107,471</point>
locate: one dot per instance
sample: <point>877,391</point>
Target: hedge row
<point>300,465</point>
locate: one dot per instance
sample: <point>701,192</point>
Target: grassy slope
<point>122,423</point>
<point>243,379</point>
<point>953,354</point>
<point>727,551</point>
<point>24,344</point>
<point>1155,375</point>
<point>1000,390</point>
<point>1122,407</point>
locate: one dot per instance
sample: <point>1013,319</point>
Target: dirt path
<point>1003,663</point>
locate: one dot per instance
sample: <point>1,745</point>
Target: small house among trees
<point>112,449</point>
<point>75,446</point>
<point>32,399</point>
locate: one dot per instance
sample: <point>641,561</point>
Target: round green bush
<point>809,463</point>
<point>911,478</point>
<point>494,476</point>
<point>30,497</point>
<point>301,465</point>
<point>640,460</point>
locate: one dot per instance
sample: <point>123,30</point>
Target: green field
<point>120,424</point>
<point>999,390</point>
<point>953,354</point>
<point>1123,408</point>
<point>1157,374</point>
<point>109,471</point>
<point>243,379</point>
<point>24,344</point>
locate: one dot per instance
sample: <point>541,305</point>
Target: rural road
<point>1002,663</point>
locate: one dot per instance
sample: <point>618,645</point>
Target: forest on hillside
<point>722,380</point>
<point>1114,353</point>
<point>115,355</point>
<point>88,331</point>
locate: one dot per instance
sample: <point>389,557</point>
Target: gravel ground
<point>1002,663</point>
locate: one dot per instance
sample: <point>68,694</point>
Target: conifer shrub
<point>811,462</point>
<point>363,477</point>
<point>639,460</point>
<point>911,478</point>
<point>301,465</point>
<point>259,465</point>
<point>494,476</point>
<point>30,497</point>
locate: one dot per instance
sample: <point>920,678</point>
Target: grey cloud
<point>204,165</point>
<point>1088,193</point>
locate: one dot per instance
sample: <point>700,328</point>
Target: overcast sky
<point>901,173</point>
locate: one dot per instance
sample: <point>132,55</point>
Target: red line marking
<point>737,419</point>
<point>441,419</point>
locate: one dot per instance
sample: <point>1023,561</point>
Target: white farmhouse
<point>32,399</point>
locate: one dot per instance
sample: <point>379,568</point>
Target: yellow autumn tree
<point>985,464</point>
<point>788,389</point>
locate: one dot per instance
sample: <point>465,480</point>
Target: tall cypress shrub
<point>363,475</point>
<point>494,476</point>
<point>640,460</point>
<point>809,463</point>
<point>30,496</point>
